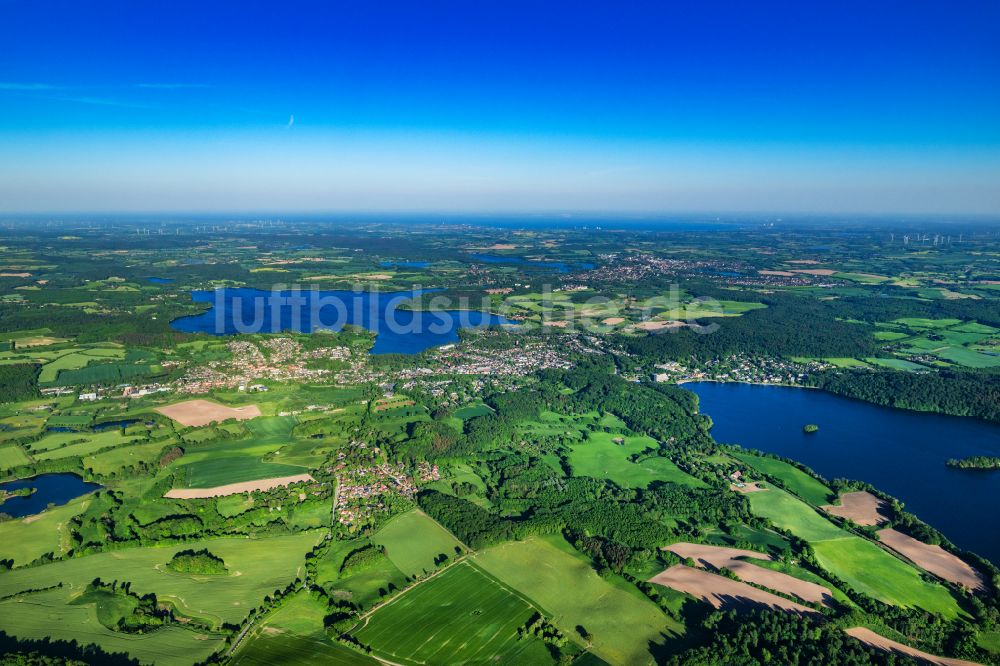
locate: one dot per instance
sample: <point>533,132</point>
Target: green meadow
<point>623,622</point>
<point>25,540</point>
<point>795,480</point>
<point>858,561</point>
<point>12,456</point>
<point>294,634</point>
<point>463,615</point>
<point>413,540</point>
<point>257,568</point>
<point>599,455</point>
<point>48,615</point>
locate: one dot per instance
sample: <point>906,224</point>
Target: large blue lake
<point>398,330</point>
<point>49,489</point>
<point>898,451</point>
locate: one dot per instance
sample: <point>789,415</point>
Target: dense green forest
<point>960,393</point>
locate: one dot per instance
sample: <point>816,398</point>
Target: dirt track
<point>236,488</point>
<point>869,637</point>
<point>203,412</point>
<point>723,592</point>
<point>734,559</point>
<point>862,507</point>
<point>935,559</point>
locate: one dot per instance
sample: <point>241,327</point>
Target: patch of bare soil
<point>934,559</point>
<point>724,592</point>
<point>862,507</point>
<point>203,412</point>
<point>735,559</point>
<point>236,488</point>
<point>869,637</point>
<point>659,325</point>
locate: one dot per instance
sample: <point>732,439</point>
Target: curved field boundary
<point>869,637</point>
<point>236,488</point>
<point>724,592</point>
<point>862,507</point>
<point>934,559</point>
<point>734,559</point>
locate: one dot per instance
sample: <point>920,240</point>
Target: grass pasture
<point>25,540</point>
<point>800,483</point>
<point>463,615</point>
<point>622,623</point>
<point>863,564</point>
<point>257,568</point>
<point>12,456</point>
<point>48,615</point>
<point>107,462</point>
<point>363,588</point>
<point>413,540</point>
<point>294,634</point>
<point>600,457</point>
<point>871,570</point>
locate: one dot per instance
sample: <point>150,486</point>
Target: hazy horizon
<point>452,107</point>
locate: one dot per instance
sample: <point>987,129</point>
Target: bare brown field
<point>613,321</point>
<point>236,488</point>
<point>778,273</point>
<point>802,261</point>
<point>869,637</point>
<point>203,412</point>
<point>934,559</point>
<point>382,406</point>
<point>734,559</point>
<point>659,325</point>
<point>815,271</point>
<point>38,341</point>
<point>862,507</point>
<point>723,592</point>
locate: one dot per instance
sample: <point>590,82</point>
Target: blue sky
<point>508,106</point>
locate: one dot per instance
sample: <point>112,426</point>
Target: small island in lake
<point>20,492</point>
<point>810,428</point>
<point>975,462</point>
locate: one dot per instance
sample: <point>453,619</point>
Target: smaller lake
<point>898,451</point>
<point>398,330</point>
<point>55,489</point>
<point>404,264</point>
<point>159,280</point>
<point>113,425</point>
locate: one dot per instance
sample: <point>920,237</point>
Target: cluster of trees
<point>960,393</point>
<point>666,413</point>
<point>544,630</point>
<point>361,559</point>
<point>975,462</point>
<point>18,381</point>
<point>762,638</point>
<point>789,326</point>
<point>119,609</point>
<point>197,562</point>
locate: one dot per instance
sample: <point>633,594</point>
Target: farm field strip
<point>736,561</point>
<point>460,604</point>
<point>237,488</point>
<point>934,559</point>
<point>722,592</point>
<point>554,576</point>
<point>861,563</point>
<point>869,637</point>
